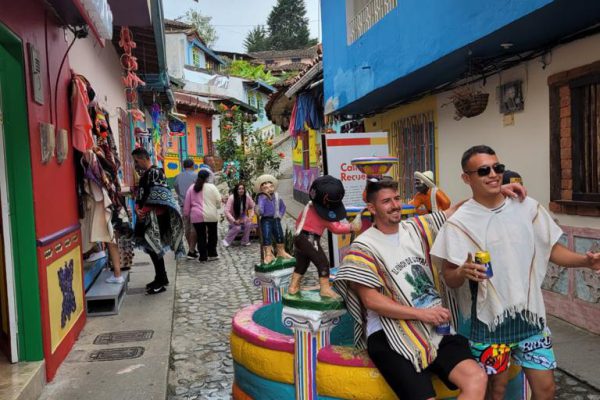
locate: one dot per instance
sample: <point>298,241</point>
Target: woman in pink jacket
<point>239,211</point>
<point>201,205</point>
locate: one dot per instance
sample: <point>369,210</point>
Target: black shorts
<point>400,374</point>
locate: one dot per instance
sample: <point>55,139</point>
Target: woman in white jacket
<point>201,205</point>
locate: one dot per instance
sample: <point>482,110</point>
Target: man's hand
<point>593,261</point>
<point>434,316</point>
<point>514,190</point>
<point>472,271</point>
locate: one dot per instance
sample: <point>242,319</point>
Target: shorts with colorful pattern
<point>535,352</point>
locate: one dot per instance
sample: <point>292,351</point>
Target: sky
<point>233,19</point>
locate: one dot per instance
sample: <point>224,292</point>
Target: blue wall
<point>413,35</point>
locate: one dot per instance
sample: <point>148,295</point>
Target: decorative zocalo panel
<point>587,282</point>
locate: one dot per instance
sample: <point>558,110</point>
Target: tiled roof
<point>310,52</point>
<point>176,25</point>
<point>191,101</point>
<point>296,66</point>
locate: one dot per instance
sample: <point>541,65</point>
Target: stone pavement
<point>208,295</point>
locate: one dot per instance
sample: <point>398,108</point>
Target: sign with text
<point>340,150</point>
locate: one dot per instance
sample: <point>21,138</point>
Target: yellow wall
<point>383,123</point>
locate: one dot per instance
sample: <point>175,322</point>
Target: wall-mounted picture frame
<point>510,96</point>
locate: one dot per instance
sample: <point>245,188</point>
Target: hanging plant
<point>468,102</point>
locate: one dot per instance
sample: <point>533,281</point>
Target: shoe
<point>154,284</point>
<point>225,244</point>
<point>156,290</point>
<point>213,258</point>
<point>246,244</point>
<point>192,255</point>
<point>115,279</point>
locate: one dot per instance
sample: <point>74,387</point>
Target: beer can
<point>483,258</point>
<point>443,329</point>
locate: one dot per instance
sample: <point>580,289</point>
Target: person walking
<point>239,211</point>
<point>183,181</point>
<point>201,205</point>
<point>159,225</point>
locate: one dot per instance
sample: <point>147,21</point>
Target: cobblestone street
<point>208,294</point>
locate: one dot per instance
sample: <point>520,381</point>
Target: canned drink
<point>443,329</point>
<point>483,258</point>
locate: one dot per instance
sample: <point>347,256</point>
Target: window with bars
<point>585,138</point>
<point>412,140</point>
<point>199,141</point>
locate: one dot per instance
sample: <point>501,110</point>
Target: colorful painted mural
<point>65,295</point>
<point>305,159</point>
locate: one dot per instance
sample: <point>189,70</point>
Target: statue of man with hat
<point>325,210</point>
<point>429,197</point>
<point>270,208</point>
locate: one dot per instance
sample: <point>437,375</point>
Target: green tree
<point>257,39</point>
<point>202,25</point>
<point>249,150</point>
<point>288,26</point>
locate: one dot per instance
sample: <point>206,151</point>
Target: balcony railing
<point>368,16</point>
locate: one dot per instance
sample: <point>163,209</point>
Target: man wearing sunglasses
<point>504,314</point>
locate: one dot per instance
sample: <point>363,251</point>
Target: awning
<point>305,79</point>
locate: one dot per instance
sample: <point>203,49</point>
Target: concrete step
<point>105,298</point>
<point>22,380</point>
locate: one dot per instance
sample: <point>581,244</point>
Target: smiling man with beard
<point>506,307</point>
<point>392,292</point>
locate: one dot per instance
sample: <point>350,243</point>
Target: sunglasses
<point>485,171</point>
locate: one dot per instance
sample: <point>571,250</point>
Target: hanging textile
<point>308,112</point>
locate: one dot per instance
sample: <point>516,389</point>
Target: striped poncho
<point>403,272</point>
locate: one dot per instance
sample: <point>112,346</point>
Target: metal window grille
<point>367,16</point>
<point>585,131</point>
<point>412,140</point>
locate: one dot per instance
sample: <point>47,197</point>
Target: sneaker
<point>192,255</point>
<point>115,279</point>
<point>156,290</point>
<point>225,244</point>
<point>213,258</point>
<point>246,244</point>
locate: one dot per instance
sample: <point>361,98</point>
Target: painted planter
<point>374,166</point>
<point>263,354</point>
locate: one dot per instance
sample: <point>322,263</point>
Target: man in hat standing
<point>324,211</point>
<point>270,209</point>
<point>428,194</point>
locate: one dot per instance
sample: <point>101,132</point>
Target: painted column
<point>274,278</point>
<point>311,318</point>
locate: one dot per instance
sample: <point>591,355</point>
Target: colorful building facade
<point>537,113</point>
